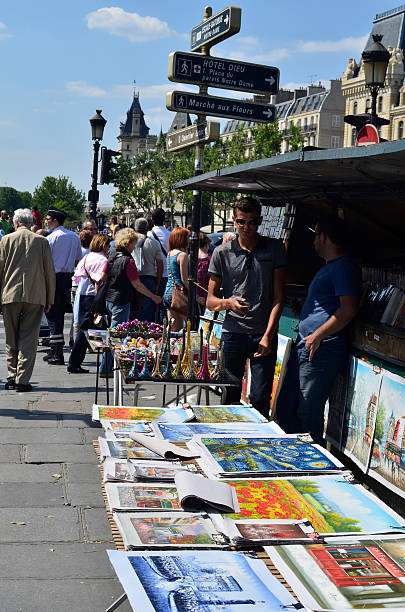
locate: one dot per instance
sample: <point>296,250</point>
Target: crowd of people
<point>124,272</point>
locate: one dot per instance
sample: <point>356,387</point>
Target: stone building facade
<point>391,97</point>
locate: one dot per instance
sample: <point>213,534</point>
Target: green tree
<point>61,193</point>
<point>267,140</point>
<point>295,138</point>
<point>380,421</point>
<point>341,524</point>
<point>11,199</point>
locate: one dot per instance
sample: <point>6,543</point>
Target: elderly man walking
<point>27,288</point>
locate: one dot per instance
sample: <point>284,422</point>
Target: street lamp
<point>375,60</point>
<point>97,129</point>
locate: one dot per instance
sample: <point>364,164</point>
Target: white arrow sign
<point>170,142</point>
<point>226,19</point>
<point>268,113</point>
<point>270,80</point>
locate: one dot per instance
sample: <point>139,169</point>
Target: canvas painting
<point>125,449</point>
<point>200,580</point>
<point>283,353</point>
<point>229,414</point>
<point>123,428</point>
<point>216,334</point>
<point>117,469</point>
<point>159,529</point>
<point>388,454</point>
<point>128,413</point>
<point>125,496</point>
<point>335,409</point>
<point>263,530</point>
<point>361,411</point>
<point>329,503</point>
<point>185,431</point>
<point>251,454</point>
<point>150,471</point>
<point>345,573</point>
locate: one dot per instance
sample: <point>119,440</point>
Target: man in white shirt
<point>161,233</point>
<point>149,262</point>
<point>66,252</point>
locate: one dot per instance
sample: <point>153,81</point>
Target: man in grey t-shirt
<point>149,263</point>
<point>250,270</point>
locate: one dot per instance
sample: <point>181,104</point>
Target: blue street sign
<point>213,30</point>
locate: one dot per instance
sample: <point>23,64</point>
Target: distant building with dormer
<point>134,135</point>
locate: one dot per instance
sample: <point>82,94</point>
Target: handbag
<point>179,301</point>
<point>98,307</point>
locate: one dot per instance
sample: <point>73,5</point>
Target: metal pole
<point>93,193</point>
<point>374,92</point>
<point>196,211</point>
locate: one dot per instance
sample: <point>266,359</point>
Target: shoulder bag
<point>179,301</point>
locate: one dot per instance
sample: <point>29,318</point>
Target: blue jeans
<point>238,348</point>
<point>306,387</point>
<point>119,314</point>
<point>148,312</point>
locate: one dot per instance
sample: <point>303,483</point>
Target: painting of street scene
<point>388,455</point>
<point>361,412</point>
<point>330,504</point>
<point>228,414</point>
<point>266,454</point>
<point>190,530</point>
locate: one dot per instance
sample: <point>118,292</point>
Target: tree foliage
<point>60,192</point>
<point>11,199</point>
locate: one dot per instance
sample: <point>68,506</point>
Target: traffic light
<point>107,165</point>
<point>362,119</point>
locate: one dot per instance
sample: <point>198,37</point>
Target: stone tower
<point>134,135</point>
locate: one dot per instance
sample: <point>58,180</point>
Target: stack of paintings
<point>227,414</point>
<point>128,413</point>
<point>185,431</point>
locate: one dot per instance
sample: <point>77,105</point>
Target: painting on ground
<point>330,503</point>
<point>345,573</point>
<point>388,456</point>
<point>164,415</point>
<point>198,580</point>
<point>185,431</point>
<point>283,353</point>
<point>361,411</point>
<point>335,409</point>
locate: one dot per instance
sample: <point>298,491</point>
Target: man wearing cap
<point>149,263</point>
<point>66,252</point>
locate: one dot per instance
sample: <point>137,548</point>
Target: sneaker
<point>22,388</point>
<point>10,385</point>
<point>78,370</point>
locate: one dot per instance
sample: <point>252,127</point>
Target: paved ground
<point>53,525</point>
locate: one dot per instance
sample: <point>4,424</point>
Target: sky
<point>61,61</point>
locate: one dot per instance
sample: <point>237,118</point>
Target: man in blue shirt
<point>321,348</point>
<point>66,252</point>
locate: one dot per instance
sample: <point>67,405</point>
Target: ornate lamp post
<point>375,60</point>
<point>97,129</point>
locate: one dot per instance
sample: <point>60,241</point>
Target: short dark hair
<point>204,240</point>
<point>34,208</point>
<point>158,216</point>
<point>248,205</point>
<point>334,228</point>
<point>85,237</point>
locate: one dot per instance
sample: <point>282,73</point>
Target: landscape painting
<point>128,413</point>
<point>345,573</point>
<point>329,503</point>
<point>198,581</point>
<point>388,455</point>
<point>185,431</point>
<point>126,449</point>
<point>361,411</point>
<point>123,496</point>
<point>228,414</point>
<point>251,454</point>
<point>283,353</point>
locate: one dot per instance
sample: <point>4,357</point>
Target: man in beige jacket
<point>27,286</point>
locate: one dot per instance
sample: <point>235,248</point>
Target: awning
<point>374,172</point>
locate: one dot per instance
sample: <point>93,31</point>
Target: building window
<point>354,136</point>
<point>287,146</point>
<point>400,130</point>
<point>312,123</point>
<point>380,104</point>
<point>368,106</point>
<point>335,142</point>
<point>336,121</point>
<point>305,123</point>
<point>127,147</point>
<point>299,123</point>
<point>355,108</point>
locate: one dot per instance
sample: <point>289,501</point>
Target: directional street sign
<point>223,73</point>
<point>219,107</point>
<point>206,131</point>
<point>213,30</point>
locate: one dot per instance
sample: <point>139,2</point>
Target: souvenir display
<point>136,328</point>
<point>198,580</point>
<point>129,496</point>
<point>185,431</point>
<point>125,449</point>
<point>221,414</point>
<point>259,532</point>
<point>163,415</point>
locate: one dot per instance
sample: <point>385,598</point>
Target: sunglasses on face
<point>250,222</point>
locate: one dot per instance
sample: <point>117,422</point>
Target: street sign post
<point>186,102</point>
<point>200,133</point>
<point>216,28</point>
<point>222,73</point>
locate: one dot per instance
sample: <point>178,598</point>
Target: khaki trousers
<point>21,323</point>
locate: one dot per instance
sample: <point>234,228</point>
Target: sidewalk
<point>54,528</point>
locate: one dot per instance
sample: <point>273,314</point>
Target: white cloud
<point>268,57</point>
<point>349,45</point>
<point>85,90</point>
<point>291,85</point>
<point>248,40</point>
<point>132,26</point>
<point>4,35</point>
<point>6,123</point>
